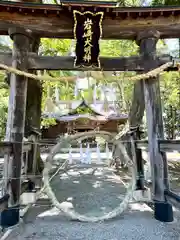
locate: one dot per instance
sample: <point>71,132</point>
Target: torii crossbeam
<point>56,21</point>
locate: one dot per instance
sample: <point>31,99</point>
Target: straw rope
<point>70,212</point>
<point>153,73</point>
<point>34,76</point>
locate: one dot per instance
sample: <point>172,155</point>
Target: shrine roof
<point>98,113</point>
<point>69,118</point>
<point>108,7</point>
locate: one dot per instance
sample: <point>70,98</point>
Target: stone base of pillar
<point>10,217</point>
<point>163,211</point>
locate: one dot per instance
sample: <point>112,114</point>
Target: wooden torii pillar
<point>162,209</point>
<point>16,122</point>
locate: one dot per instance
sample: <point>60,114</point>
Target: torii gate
<point>24,21</point>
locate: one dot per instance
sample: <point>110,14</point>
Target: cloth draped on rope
<point>81,153</point>
<point>98,153</point>
<point>88,155</point>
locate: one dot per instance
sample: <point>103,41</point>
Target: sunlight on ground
<point>140,207</point>
<point>55,212</point>
<point>52,212</point>
<point>97,184</point>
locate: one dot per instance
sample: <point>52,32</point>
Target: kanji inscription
<point>87,32</point>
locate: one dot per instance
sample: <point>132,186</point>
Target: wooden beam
<point>164,145</point>
<point>54,21</point>
<point>67,63</point>
<point>35,62</point>
<point>163,210</point>
<point>16,119</point>
<point>6,147</point>
<point>134,63</point>
<point>173,198</point>
<point>153,115</point>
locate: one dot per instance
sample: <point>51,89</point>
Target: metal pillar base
<point>163,211</point>
<point>10,217</point>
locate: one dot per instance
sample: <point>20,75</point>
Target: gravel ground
<point>89,194</point>
<point>93,195</point>
<point>132,225</point>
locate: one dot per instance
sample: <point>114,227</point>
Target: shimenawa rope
<point>150,74</point>
<point>70,212</point>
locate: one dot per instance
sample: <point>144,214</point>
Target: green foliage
<point>54,47</point>
<point>3,106</point>
<point>48,122</point>
<point>121,48</point>
<point>82,110</point>
<point>118,48</point>
<point>165,2</point>
<point>170,90</point>
<point>5,45</point>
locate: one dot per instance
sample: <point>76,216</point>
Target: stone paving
<point>93,195</point>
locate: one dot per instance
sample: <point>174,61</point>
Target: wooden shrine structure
<point>25,22</point>
<point>74,122</point>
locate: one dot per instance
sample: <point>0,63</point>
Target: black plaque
<point>87,32</point>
